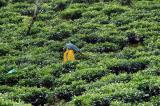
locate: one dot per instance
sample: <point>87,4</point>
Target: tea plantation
<point>120,40</point>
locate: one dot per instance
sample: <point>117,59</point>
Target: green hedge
<point>119,40</point>
<point>101,47</point>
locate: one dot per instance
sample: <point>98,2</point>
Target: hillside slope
<point>121,43</point>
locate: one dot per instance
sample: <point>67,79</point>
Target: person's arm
<point>75,48</point>
<point>65,48</point>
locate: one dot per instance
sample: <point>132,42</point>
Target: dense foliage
<point>120,40</point>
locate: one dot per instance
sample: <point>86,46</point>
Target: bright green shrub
<point>47,81</point>
<point>5,89</point>
<point>90,14</point>
<point>88,28</point>
<point>64,68</point>
<point>154,70</point>
<point>36,97</point>
<point>101,102</point>
<point>88,75</point>
<point>90,1</point>
<point>121,78</point>
<point>114,9</point>
<point>44,17</point>
<point>29,1</point>
<point>4,49</point>
<point>10,79</point>
<point>21,6</point>
<point>120,22</point>
<point>124,93</point>
<point>38,42</point>
<point>54,46</point>
<point>92,39</point>
<point>29,82</point>
<point>102,47</point>
<point>117,103</point>
<point>155,100</point>
<point>66,92</point>
<point>110,78</point>
<point>112,71</point>
<point>130,67</point>
<point>9,66</point>
<point>153,45</point>
<point>92,74</point>
<point>60,35</point>
<point>23,44</point>
<point>41,81</point>
<point>95,7</point>
<point>4,102</point>
<point>106,94</point>
<point>130,96</point>
<point>147,5</point>
<point>150,88</point>
<point>72,14</point>
<point>102,37</point>
<point>61,32</point>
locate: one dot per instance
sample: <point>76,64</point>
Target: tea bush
<point>36,98</point>
<point>102,47</point>
<point>5,49</point>
<point>119,40</point>
<point>29,1</point>
<point>65,68</point>
<point>5,89</point>
<point>130,67</point>
<point>72,14</point>
<point>68,91</point>
<point>61,32</point>
<point>4,102</point>
<point>125,94</point>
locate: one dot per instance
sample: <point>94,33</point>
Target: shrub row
<point>66,92</point>
<point>34,96</point>
<point>101,47</point>
<point>77,88</point>
<point>89,75</point>
<point>102,37</point>
<point>126,93</point>
<point>130,67</point>
<point>4,102</point>
<point>64,68</point>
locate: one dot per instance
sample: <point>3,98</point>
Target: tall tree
<point>36,11</point>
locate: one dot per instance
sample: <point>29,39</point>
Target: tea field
<point>120,40</point>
